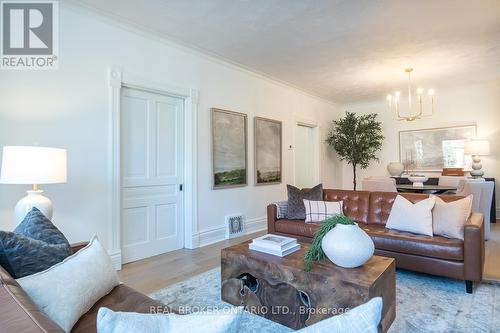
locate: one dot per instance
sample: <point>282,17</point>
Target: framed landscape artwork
<point>267,151</point>
<point>229,148</point>
<point>436,148</point>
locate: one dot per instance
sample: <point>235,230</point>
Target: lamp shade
<point>33,165</point>
<point>477,147</point>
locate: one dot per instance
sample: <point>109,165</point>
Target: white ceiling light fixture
<point>413,108</point>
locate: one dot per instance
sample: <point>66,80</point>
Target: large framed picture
<point>268,147</point>
<point>436,148</point>
<point>229,148</point>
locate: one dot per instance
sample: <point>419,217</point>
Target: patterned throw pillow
<point>281,208</point>
<point>318,211</point>
<point>35,225</point>
<point>296,209</point>
<point>35,245</point>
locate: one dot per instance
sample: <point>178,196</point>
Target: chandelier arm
<point>419,112</point>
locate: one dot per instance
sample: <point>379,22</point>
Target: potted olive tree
<point>356,139</point>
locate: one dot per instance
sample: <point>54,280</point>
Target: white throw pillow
<point>416,218</point>
<point>70,288</point>
<point>449,217</point>
<point>222,321</point>
<point>318,211</point>
<point>362,319</point>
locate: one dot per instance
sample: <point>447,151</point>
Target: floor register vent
<point>234,226</point>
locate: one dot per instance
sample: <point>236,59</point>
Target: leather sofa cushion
<point>381,204</point>
<point>356,203</point>
<point>389,240</point>
<point>121,298</point>
<point>420,245</point>
<point>18,313</point>
<point>296,227</point>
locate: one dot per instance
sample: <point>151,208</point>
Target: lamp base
<point>476,171</point>
<point>33,199</point>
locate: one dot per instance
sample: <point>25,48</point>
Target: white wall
<point>477,104</point>
<point>68,108</point>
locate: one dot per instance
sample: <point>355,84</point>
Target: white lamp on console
<point>33,166</point>
<point>477,148</point>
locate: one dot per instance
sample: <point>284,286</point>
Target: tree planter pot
<point>347,246</point>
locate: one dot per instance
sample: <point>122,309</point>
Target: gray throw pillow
<point>35,245</point>
<point>37,226</point>
<point>296,209</point>
<point>22,256</point>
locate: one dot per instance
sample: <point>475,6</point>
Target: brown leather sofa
<point>453,258</point>
<point>18,313</point>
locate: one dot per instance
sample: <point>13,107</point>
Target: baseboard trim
<point>214,235</point>
<point>116,259</point>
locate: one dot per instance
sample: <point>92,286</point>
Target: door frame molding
<point>117,79</point>
<point>314,125</point>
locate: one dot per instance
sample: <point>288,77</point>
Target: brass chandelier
<point>415,108</point>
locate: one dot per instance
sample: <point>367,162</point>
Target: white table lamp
<point>477,148</point>
<point>34,166</point>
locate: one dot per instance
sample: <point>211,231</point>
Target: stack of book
<point>275,245</point>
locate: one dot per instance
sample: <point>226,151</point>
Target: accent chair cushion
<point>70,288</point>
<point>411,217</point>
<point>35,245</point>
<point>318,211</point>
<point>296,209</point>
<point>449,217</point>
<point>223,321</point>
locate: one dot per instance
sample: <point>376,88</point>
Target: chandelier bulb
<point>416,104</point>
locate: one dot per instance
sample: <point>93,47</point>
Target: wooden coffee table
<point>280,290</point>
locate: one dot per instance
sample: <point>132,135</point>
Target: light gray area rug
<point>424,304</point>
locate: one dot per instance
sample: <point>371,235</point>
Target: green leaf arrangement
<point>315,252</point>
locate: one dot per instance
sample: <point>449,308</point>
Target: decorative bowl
<point>418,180</point>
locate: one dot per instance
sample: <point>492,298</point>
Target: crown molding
<point>127,25</point>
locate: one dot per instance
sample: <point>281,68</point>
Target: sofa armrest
<point>18,313</point>
<point>474,247</point>
<point>78,246</point>
<point>272,211</point>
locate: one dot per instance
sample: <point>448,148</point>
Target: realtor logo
<point>29,32</point>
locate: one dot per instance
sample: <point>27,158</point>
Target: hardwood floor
<point>158,272</point>
<point>492,253</point>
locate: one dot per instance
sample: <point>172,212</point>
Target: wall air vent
<point>234,226</point>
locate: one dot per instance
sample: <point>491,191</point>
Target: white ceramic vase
<point>347,245</point>
<point>395,169</point>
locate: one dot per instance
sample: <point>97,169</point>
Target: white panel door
<point>304,156</point>
<point>151,174</point>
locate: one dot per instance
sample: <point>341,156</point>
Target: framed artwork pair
<point>230,150</point>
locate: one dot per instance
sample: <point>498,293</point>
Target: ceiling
<point>344,51</point>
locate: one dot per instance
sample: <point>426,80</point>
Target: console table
<point>435,181</point>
